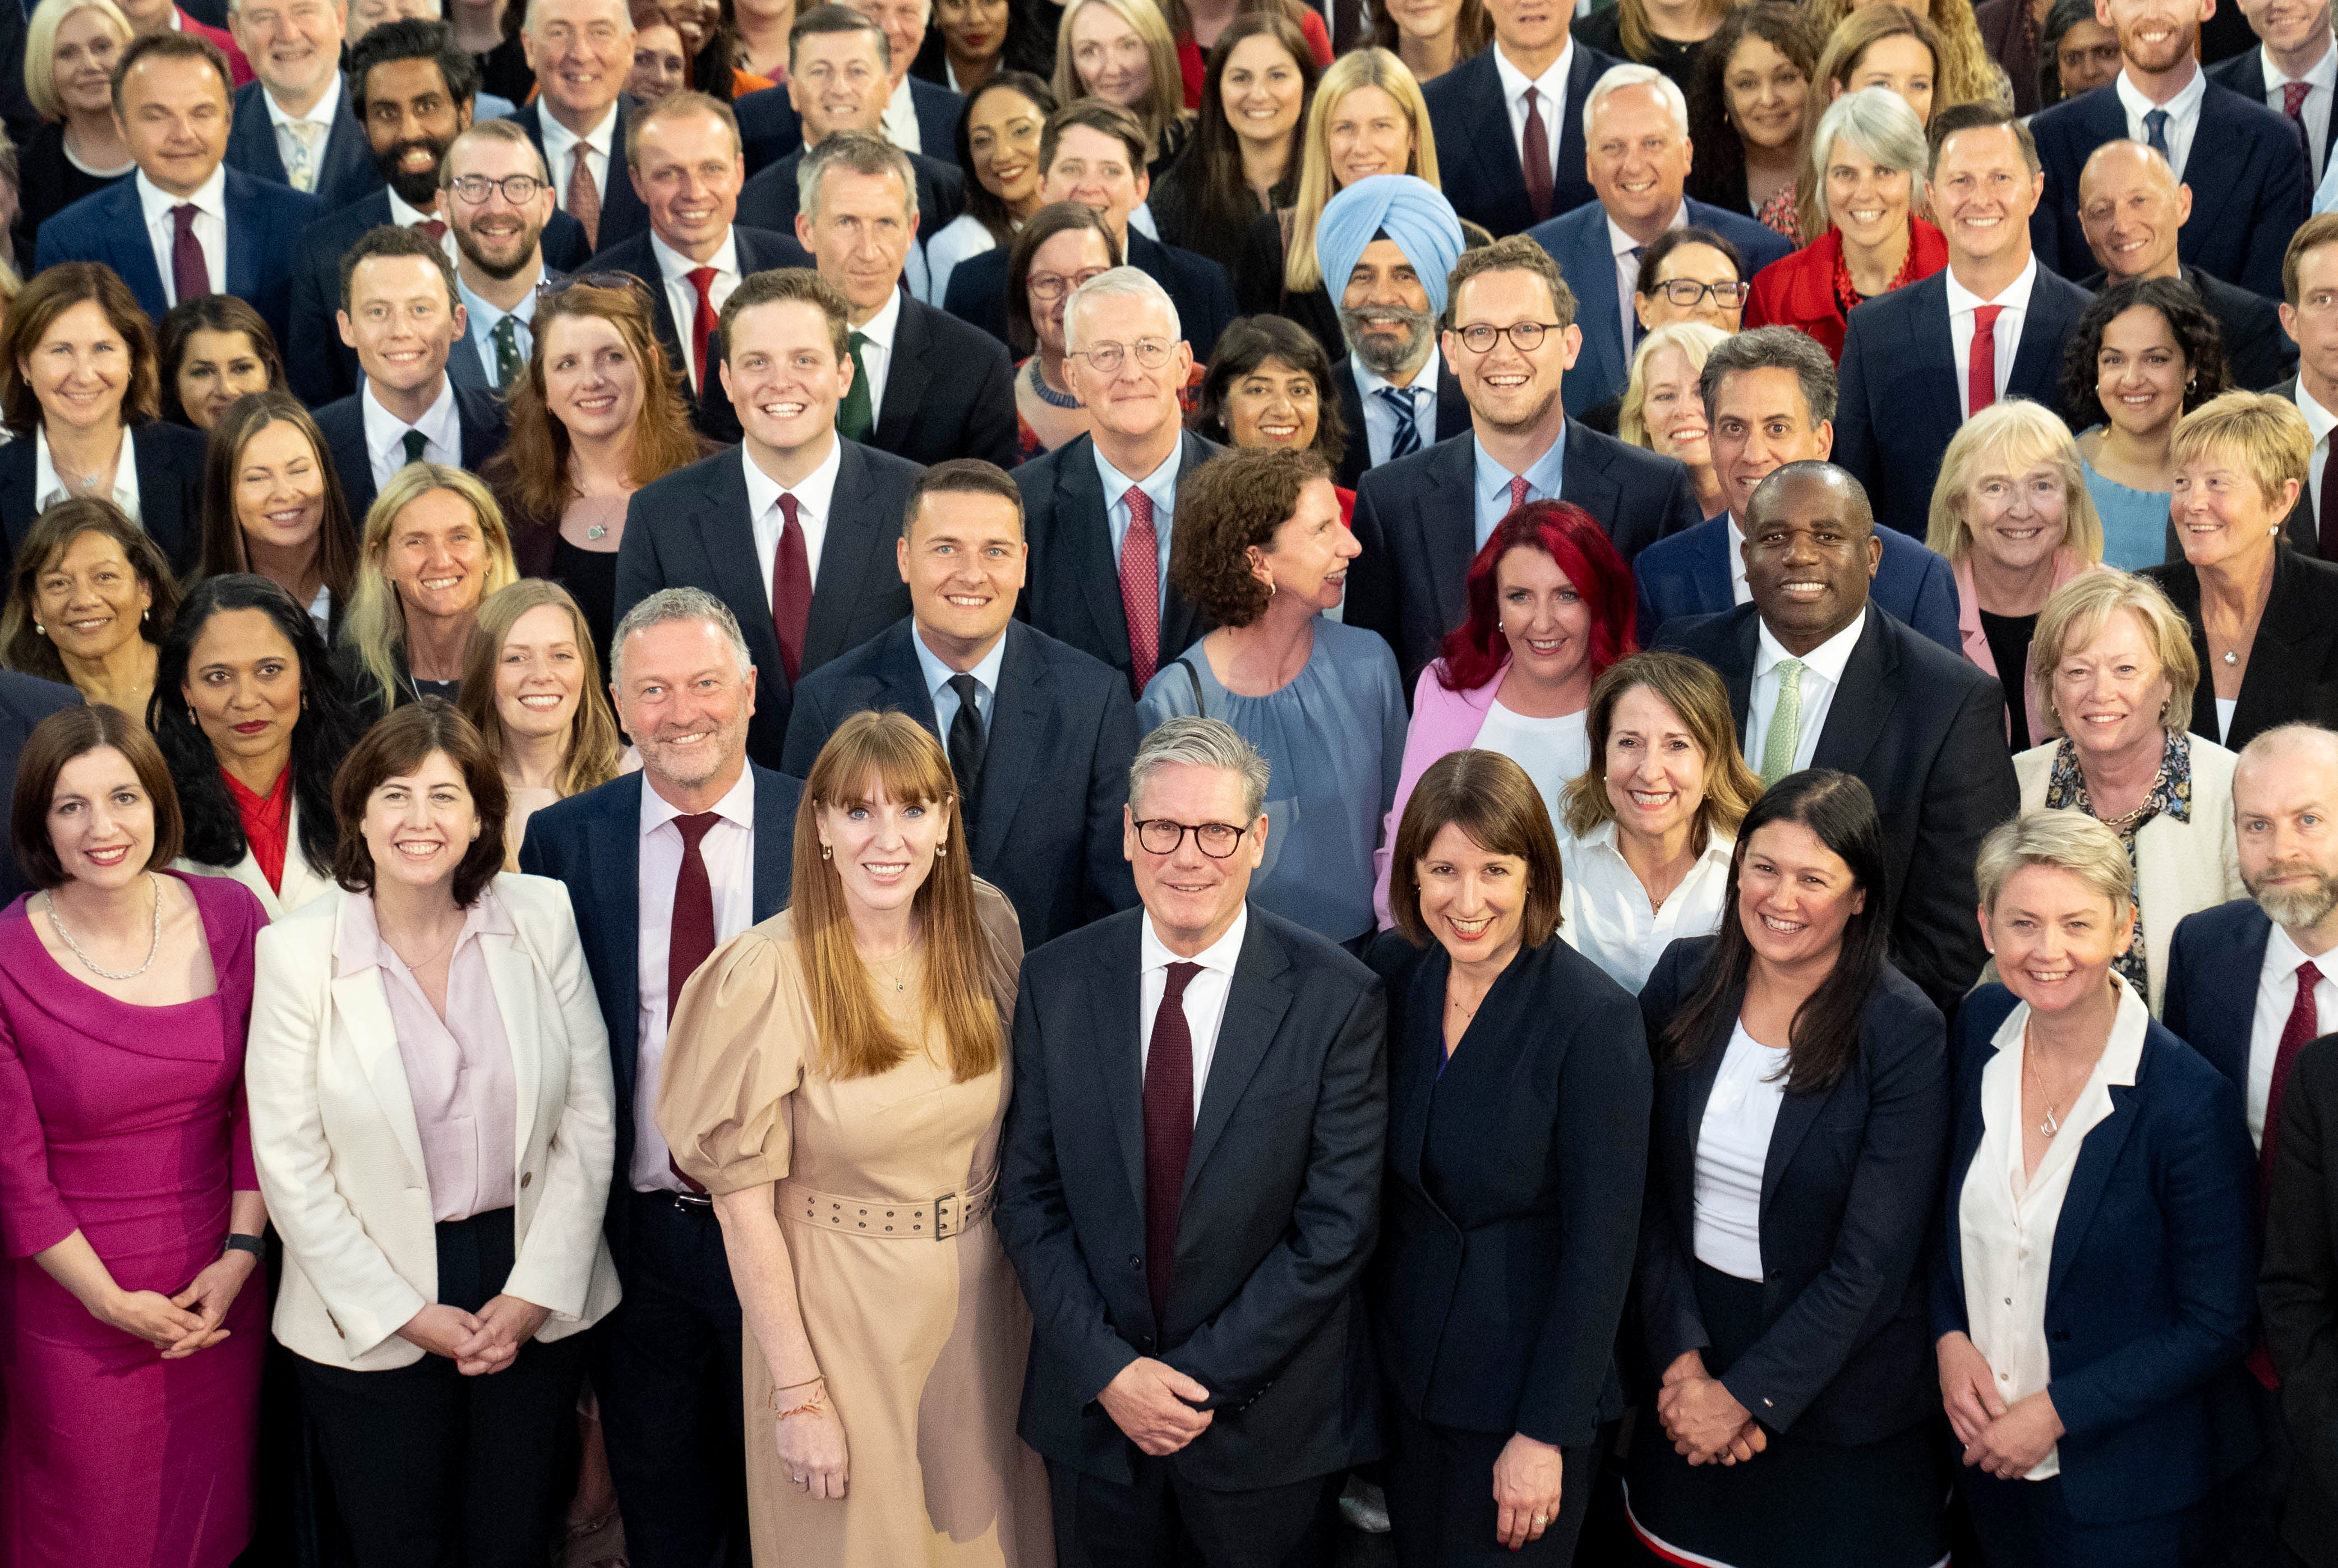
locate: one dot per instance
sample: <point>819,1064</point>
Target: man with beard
<point>1393,239</point>
<point>294,125</point>
<point>499,268</point>
<point>2252,185</point>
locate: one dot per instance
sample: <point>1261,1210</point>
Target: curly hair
<point>2197,333</point>
<point>23,645</point>
<point>1718,174</point>
<point>1249,342</point>
<point>1230,505</point>
<point>1476,651</point>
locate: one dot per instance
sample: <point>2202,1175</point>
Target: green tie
<point>853,418</point>
<point>508,363</point>
<point>415,441</point>
<point>1778,747</point>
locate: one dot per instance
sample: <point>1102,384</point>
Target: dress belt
<point>887,1220</point>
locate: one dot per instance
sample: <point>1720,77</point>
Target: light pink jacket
<point>2066,565</point>
<point>1442,722</point>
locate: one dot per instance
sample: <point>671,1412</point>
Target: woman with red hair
<point>1550,607</point>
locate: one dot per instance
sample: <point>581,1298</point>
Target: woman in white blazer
<point>250,718</point>
<point>428,1077</point>
<point>2114,660</point>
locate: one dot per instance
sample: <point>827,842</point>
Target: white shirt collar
<point>1622,244</point>
<point>1718,846</point>
<point>2322,73</point>
<point>2318,419</point>
<point>1963,301</point>
<point>1219,955</point>
<point>209,197</point>
<point>559,140</point>
<point>880,328</point>
<point>2122,1055</point>
<point>2183,106</point>
<point>404,214</point>
<point>1551,83</point>
<point>48,489</point>
<point>937,674</point>
<point>676,268</point>
<point>1827,660</point>
<point>320,113</point>
<point>441,424</point>
<point>1370,381</point>
<point>737,804</point>
<point>815,492</point>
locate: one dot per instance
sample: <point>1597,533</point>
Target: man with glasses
<point>497,201</point>
<point>1101,508</point>
<point>1638,155</point>
<point>1510,337</point>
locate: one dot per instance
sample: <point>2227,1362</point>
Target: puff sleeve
<point>733,1055</point>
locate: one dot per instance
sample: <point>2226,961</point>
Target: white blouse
<point>1604,913</point>
<point>1733,1149</point>
<point>1555,752</point>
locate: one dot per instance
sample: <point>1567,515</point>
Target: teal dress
<point>2135,522</point>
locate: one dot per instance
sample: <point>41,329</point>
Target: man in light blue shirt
<point>499,249</point>
<point>1500,492</point>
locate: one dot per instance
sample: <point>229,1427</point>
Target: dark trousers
<point>1440,1499</point>
<point>432,1469</point>
<point>667,1366</point>
<point>1161,1521</point>
<point>2028,1525</point>
<point>2244,1510</point>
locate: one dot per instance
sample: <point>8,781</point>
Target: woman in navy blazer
<point>2097,1246</point>
<point>1518,1092</point>
<point>1801,1119</point>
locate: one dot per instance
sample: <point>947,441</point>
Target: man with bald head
<point>2132,208</point>
<point>1817,679</point>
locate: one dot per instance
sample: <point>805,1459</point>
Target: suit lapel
<point>1018,729</point>
<point>1585,479</point>
<point>1181,620</point>
<point>248,239</point>
<point>1444,514</point>
<point>1796,1114</point>
<point>2089,1178</point>
<point>512,979</point>
<point>1692,1090</point>
<point>2212,149</point>
<point>1081,515</point>
<point>2037,361</point>
<point>364,1010</point>
<point>1709,574</point>
<point>1115,1001</point>
<point>1741,671</point>
<point>726,532</point>
<point>906,377</point>
<point>1414,1066</point>
<point>1862,704</point>
<point>848,553</point>
<point>132,252</point>
<point>2292,643</point>
<point>613,838</point>
<point>1255,1005</point>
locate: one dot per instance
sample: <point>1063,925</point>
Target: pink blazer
<point>2066,566</point>
<point>1442,722</point>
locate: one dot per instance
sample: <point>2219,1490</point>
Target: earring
<point>942,851</point>
<point>39,630</point>
<point>824,851</point>
<point>145,615</point>
<point>190,716</point>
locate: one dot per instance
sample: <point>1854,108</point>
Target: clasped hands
<point>179,1325</point>
<point>1154,1405</point>
<point>1703,1418</point>
<point>2006,1440</point>
<point>481,1342</point>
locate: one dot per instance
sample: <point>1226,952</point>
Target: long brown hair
<point>224,546</point>
<point>1218,199</point>
<point>592,748</point>
<point>967,979</point>
<point>49,294</point>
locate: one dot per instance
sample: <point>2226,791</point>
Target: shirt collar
<point>880,328</point>
<point>320,113</point>
<point>1368,381</point>
<point>2318,419</point>
<point>1827,660</point>
<point>1219,956</point>
<point>1161,484</point>
<point>358,944</point>
<point>2122,1053</point>
<point>560,140</point>
<point>483,314</point>
<point>2182,107</point>
<point>404,214</point>
<point>209,197</point>
<point>1718,846</point>
<point>1622,244</point>
<point>937,674</point>
<point>1551,83</point>
<point>2015,295</point>
<point>48,489</point>
<point>439,423</point>
<point>676,268</point>
<point>2322,73</point>
<point>1542,475</point>
<point>737,804</point>
<point>813,492</point>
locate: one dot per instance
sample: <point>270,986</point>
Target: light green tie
<point>1785,736</point>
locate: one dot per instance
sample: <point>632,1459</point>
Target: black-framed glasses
<point>1163,836</point>
<point>1687,293</point>
<point>520,190</point>
<point>1526,337</point>
<point>1105,358</point>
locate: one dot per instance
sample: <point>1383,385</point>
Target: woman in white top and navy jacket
<point>1794,1158</point>
<point>2098,1244</point>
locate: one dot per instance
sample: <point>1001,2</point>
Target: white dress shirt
<point>2183,114</point>
<point>1604,913</point>
<point>1733,1150</point>
<point>813,498</point>
<point>1380,419</point>
<point>1823,668</point>
<point>938,682</point>
<point>385,433</point>
<point>1962,303</point>
<point>1552,102</point>
<point>2006,1220</point>
<point>1627,272</point>
<point>2276,994</point>
<point>729,851</point>
<point>210,203</point>
<point>560,144</point>
<point>1740,591</point>
<point>681,294</point>
<point>48,489</point>
<point>2321,79</point>
<point>1160,486</point>
<point>898,123</point>
<point>876,335</point>
<point>2319,421</point>
<point>407,215</point>
<point>289,146</point>
<point>1205,992</point>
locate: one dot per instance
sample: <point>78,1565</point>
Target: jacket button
<point>526,1177</point>
<point>1137,1263</point>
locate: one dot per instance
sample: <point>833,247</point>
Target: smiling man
<point>920,116</point>
<point>2293,70</point>
<point>500,243</point>
<point>1525,165</point>
<point>294,125</point>
<point>1393,240</point>
<point>581,52</point>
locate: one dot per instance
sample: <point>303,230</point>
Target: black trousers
<point>1440,1499</point>
<point>432,1469</point>
<point>667,1367</point>
<point>1161,1521</point>
<point>2028,1525</point>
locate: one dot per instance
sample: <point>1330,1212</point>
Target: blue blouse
<point>2135,522</point>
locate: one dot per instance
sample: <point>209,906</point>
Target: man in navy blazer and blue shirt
<point>293,125</point>
<point>1493,166</point>
<point>582,50</point>
<point>499,271</point>
<point>1635,133</point>
<point>1391,245</point>
<point>1911,375</point>
<point>2294,62</point>
<point>667,1358</point>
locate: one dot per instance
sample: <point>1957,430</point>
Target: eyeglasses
<point>1687,292</point>
<point>1047,288</point>
<point>520,190</point>
<point>1152,353</point>
<point>1161,836</point>
<point>1526,337</point>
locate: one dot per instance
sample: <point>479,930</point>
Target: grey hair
<point>1123,283</point>
<point>527,17</point>
<point>670,605</point>
<point>1619,77</point>
<point>1193,743</point>
<point>492,131</point>
<point>1879,122</point>
<point>1772,349</point>
<point>862,154</point>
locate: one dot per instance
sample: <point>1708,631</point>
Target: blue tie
<point>1407,440</point>
<point>2155,132</point>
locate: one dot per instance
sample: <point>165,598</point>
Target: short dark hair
<point>1660,251</point>
<point>1096,114</point>
<point>172,46</point>
<point>821,19</point>
<point>1978,117</point>
<point>56,740</point>
<point>23,645</point>
<point>1772,349</point>
<point>390,239</point>
<point>1249,342</point>
<point>801,284</point>
<point>1239,499</point>
<point>2317,231</point>
<point>2197,333</point>
<point>962,476</point>
<point>1511,253</point>
<point>397,745</point>
<point>1055,218</point>
<point>1820,469</point>
<point>1491,799</point>
<point>413,38</point>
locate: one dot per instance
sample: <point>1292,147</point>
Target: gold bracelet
<point>814,1404</point>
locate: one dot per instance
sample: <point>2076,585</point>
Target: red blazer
<point>1799,291</point>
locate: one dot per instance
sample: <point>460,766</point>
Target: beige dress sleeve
<point>1005,930</point>
<point>734,1055</point>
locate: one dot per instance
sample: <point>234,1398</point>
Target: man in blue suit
<point>2289,69</point>
<point>1638,159</point>
<point>920,116</point>
<point>581,52</point>
<point>1769,400</point>
<point>293,125</point>
<point>1523,165</point>
<point>2247,164</point>
<point>499,268</point>
<point>185,225</point>
<point>1917,362</point>
<point>667,1359</point>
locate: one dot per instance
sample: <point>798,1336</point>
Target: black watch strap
<point>246,1244</point>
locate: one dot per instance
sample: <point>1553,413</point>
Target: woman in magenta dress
<point>130,1212</point>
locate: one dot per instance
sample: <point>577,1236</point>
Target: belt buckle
<point>694,1202</point>
<point>943,1230</point>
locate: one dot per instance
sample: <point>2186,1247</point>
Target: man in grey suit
<point>499,249</point>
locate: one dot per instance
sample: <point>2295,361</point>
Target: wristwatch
<point>250,1244</point>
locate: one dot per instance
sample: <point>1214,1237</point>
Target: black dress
<point>2292,671</point>
<point>47,182</point>
<point>1604,30</point>
<point>591,578</point>
<point>1259,289</point>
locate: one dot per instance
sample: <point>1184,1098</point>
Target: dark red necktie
<point>190,276</point>
<point>702,323</point>
<point>2304,1027</point>
<point>790,588</point>
<point>1534,158</point>
<point>1980,367</point>
<point>2292,99</point>
<point>690,939</point>
<point>1168,1132</point>
<point>434,227</point>
<point>2326,534</point>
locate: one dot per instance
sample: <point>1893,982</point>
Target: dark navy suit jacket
<point>2244,73</point>
<point>769,128</point>
<point>347,172</point>
<point>592,842</point>
<point>1478,156</point>
<point>622,214</point>
<point>170,463</point>
<point>24,701</point>
<point>2210,1001</point>
<point>1900,404</point>
<point>342,422</point>
<point>1196,284</point>
<point>949,391</point>
<point>1047,826</point>
<point>1689,574</point>
<point>1452,418</point>
<point>759,249</point>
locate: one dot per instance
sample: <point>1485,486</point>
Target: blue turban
<point>1410,211</point>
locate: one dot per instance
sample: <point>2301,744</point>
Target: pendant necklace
<point>890,973</point>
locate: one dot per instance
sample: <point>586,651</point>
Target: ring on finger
<point>1541,1520</point>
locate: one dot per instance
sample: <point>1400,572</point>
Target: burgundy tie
<point>2302,1028</point>
<point>190,276</point>
<point>1140,589</point>
<point>1981,366</point>
<point>2326,534</point>
<point>2292,99</point>
<point>690,939</point>
<point>434,227</point>
<point>1517,491</point>
<point>701,323</point>
<point>1534,158</point>
<point>1168,1132</point>
<point>790,589</point>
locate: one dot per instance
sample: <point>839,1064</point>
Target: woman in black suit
<point>1518,1088</point>
<point>1802,1112</point>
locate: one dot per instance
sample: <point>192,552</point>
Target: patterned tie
<point>1140,589</point>
<point>415,443</point>
<point>967,741</point>
<point>2292,99</point>
<point>584,197</point>
<point>1534,158</point>
<point>790,589</point>
<point>1407,439</point>
<point>690,940</point>
<point>853,415</point>
<point>1168,1132</point>
<point>1517,491</point>
<point>509,361</point>
<point>1980,363</point>
<point>303,171</point>
<point>2155,133</point>
<point>2304,1027</point>
<point>191,275</point>
<point>1785,736</point>
<point>701,325</point>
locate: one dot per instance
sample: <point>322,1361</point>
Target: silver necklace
<point>58,921</point>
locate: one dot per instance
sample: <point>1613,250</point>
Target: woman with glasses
<point>998,147</point>
<point>1687,275</point>
<point>1062,247</point>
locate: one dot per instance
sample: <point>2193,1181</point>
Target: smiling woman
<point>1244,157</point>
<point>434,546</point>
<point>532,687</point>
<point>89,599</point>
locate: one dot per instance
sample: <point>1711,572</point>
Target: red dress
<point>1800,292</point>
<point>127,1124</point>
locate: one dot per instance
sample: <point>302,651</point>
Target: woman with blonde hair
<point>404,639</point>
<point>89,600</point>
<point>1430,36</point>
<point>2012,516</point>
<point>1664,406</point>
<point>1123,52</point>
<point>1967,72</point>
<point>69,48</point>
<point>888,978</point>
<point>1665,34</point>
<point>532,689</point>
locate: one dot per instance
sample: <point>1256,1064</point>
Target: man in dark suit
<point>1769,400</point>
<point>1100,510</point>
<point>1040,734</point>
<point>24,701</point>
<point>2291,68</point>
<point>768,127</point>
<point>185,225</point>
<point>1921,727</point>
<point>1638,156</point>
<point>293,125</point>
<point>1197,1381</point>
<point>401,314</point>
<point>1495,177</point>
<point>1914,367</point>
<point>1421,520</point>
<point>2309,314</point>
<point>1092,152</point>
<point>667,1358</point>
<point>788,530</point>
<point>2298,1292</point>
<point>920,116</point>
<point>1389,247</point>
<point>581,52</point>
<point>2247,163</point>
<point>499,269</point>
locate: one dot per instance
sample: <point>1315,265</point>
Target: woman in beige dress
<point>835,1077</point>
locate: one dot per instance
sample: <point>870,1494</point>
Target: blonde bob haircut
<point>2267,436</point>
<point>2074,617</point>
<point>1164,104</point>
<point>1694,691</point>
<point>1497,807</point>
<point>969,982</point>
<point>593,750</point>
<point>376,623</point>
<point>41,48</point>
<point>1696,340</point>
<point>1358,68</point>
<point>2068,841</point>
<point>2012,437</point>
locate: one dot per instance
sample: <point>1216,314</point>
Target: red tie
<point>1517,491</point>
<point>2304,1027</point>
<point>190,276</point>
<point>1980,369</point>
<point>790,589</point>
<point>1140,589</point>
<point>702,323</point>
<point>690,940</point>
<point>1534,158</point>
<point>1168,1133</point>
<point>434,227</point>
<point>2326,536</point>
<point>2292,99</point>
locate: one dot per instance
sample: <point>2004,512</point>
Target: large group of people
<point>1594,747</point>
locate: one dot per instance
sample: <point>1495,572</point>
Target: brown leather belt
<point>885,1220</point>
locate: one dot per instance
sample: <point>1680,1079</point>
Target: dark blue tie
<point>1407,440</point>
<point>2155,132</point>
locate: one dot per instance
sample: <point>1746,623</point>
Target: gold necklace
<point>886,965</point>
